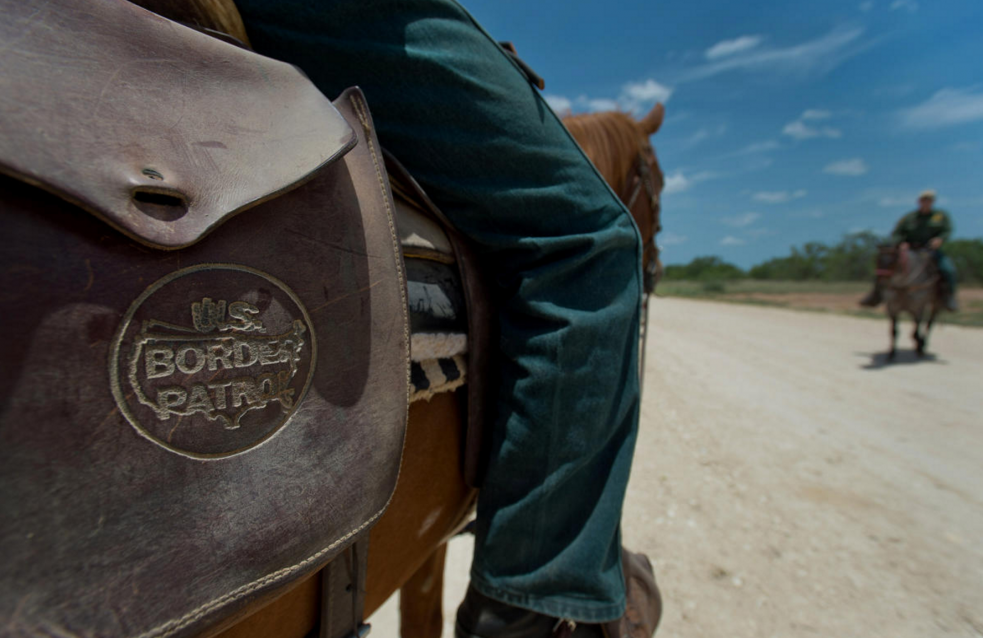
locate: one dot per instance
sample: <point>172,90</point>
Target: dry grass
<point>819,296</point>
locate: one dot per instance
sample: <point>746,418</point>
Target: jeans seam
<point>572,608</point>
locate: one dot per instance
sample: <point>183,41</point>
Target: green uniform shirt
<point>918,228</point>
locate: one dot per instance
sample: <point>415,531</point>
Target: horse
<point>432,500</point>
<point>431,495</point>
<point>911,284</point>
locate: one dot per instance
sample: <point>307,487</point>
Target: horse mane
<point>611,140</point>
<point>217,15</point>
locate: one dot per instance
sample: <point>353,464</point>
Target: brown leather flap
<point>159,130</point>
<point>183,434</point>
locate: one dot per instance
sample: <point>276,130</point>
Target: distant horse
<point>911,284</point>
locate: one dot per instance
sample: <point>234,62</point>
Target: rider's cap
<point>927,194</point>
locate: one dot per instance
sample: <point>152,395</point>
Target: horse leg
<point>928,327</point>
<point>430,504</point>
<point>894,337</point>
<point>421,611</point>
<point>916,335</point>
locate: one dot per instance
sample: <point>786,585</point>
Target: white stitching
<point>171,627</point>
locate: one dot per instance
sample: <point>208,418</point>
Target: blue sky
<point>785,121</point>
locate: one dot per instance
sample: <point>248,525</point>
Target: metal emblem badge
<point>212,360</point>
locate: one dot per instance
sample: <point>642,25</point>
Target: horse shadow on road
<point>881,360</point>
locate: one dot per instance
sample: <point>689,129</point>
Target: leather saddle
<point>206,343</point>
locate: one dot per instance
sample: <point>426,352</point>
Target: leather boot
<point>873,298</point>
<point>643,608</point>
<point>482,617</point>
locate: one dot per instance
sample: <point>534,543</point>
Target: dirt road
<point>788,483</point>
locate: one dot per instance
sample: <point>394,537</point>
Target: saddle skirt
<point>205,382</point>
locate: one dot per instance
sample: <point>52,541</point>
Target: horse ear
<point>651,122</point>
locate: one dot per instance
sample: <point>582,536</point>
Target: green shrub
<point>852,259</point>
<point>714,287</point>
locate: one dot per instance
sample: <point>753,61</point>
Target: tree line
<point>851,259</point>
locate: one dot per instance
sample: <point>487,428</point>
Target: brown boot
<point>873,298</point>
<point>482,617</point>
<point>644,603</point>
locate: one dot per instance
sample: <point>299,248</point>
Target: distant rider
<point>924,227</point>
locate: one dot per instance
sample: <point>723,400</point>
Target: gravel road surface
<point>789,482</point>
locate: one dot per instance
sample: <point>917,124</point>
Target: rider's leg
<point>565,256</point>
<point>948,271</point>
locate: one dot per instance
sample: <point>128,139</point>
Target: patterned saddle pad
<point>435,296</point>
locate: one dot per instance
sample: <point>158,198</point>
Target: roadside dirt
<point>832,302</point>
<point>788,482</point>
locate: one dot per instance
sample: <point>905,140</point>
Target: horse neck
<point>914,270</point>
<point>610,141</point>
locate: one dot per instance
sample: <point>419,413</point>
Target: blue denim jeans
<point>565,258</point>
<point>947,270</point>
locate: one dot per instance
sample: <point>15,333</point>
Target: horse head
<point>888,261</point>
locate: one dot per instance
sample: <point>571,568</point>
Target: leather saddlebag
<point>203,394</point>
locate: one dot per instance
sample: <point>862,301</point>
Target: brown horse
<point>432,502</point>
<point>407,548</point>
<point>911,284</point>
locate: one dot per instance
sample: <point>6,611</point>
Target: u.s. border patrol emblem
<point>212,360</point>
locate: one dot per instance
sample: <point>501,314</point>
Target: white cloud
<point>730,47</point>
<point>560,105</point>
<point>908,5</point>
<point>739,221</point>
<point>670,239</point>
<point>778,197</point>
<point>598,104</point>
<point>849,167</point>
<point>894,202</point>
<point>639,97</point>
<point>866,6</point>
<point>649,90</point>
<point>675,183</point>
<point>730,240</point>
<point>678,182</point>
<point>758,147</point>
<point>635,97</point>
<point>819,55</point>
<point>816,114</point>
<point>799,130</point>
<point>947,107</point>
<point>702,134</point>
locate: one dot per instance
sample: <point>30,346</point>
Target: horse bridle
<point>642,170</point>
<point>643,178</point>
